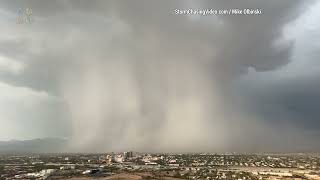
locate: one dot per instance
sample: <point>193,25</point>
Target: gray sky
<point>119,75</point>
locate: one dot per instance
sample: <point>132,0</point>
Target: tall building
<point>128,155</point>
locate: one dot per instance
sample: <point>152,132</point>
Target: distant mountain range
<point>45,145</point>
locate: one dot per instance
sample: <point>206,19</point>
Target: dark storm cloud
<point>292,101</point>
<point>135,75</point>
<point>241,42</point>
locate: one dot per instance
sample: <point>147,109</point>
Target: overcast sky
<point>133,75</point>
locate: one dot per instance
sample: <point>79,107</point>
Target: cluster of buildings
<point>180,166</point>
<point>43,174</point>
<point>116,158</point>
